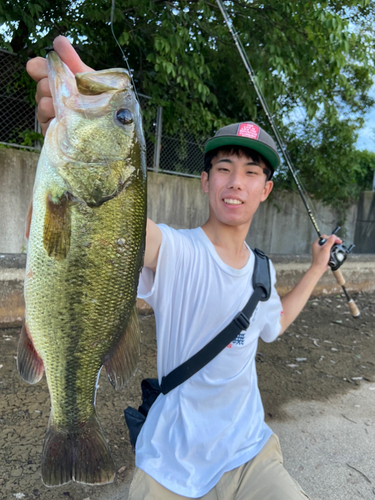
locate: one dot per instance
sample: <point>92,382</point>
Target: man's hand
<point>294,301</point>
<point>37,69</point>
<point>321,253</point>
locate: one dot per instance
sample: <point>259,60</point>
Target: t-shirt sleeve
<point>273,311</point>
<point>152,285</point>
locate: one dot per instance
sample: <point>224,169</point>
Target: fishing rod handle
<point>339,277</point>
<point>352,305</point>
<point>354,309</point>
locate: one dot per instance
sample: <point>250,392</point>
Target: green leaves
<point>316,56</point>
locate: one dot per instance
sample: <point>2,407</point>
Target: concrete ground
<point>328,447</point>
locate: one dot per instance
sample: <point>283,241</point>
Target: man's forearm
<point>294,301</point>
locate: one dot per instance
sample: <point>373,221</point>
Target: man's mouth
<point>231,201</point>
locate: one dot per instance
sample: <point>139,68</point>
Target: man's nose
<point>236,180</point>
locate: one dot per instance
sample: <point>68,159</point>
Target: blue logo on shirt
<point>240,339</point>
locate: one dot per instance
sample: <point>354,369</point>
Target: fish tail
<point>82,456</point>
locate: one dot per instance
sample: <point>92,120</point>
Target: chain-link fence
<point>181,154</point>
<point>17,116</point>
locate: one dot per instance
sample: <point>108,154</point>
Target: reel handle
<point>352,305</point>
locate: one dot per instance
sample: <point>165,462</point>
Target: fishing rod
<point>339,252</point>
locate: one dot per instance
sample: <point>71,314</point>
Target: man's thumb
<point>69,56</point>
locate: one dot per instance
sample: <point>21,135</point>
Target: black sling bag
<point>151,388</point>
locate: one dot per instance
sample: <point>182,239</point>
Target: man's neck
<point>229,242</point>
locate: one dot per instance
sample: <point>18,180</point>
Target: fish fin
<point>82,456</point>
<point>123,362</point>
<point>57,227</point>
<point>28,220</point>
<point>29,363</point>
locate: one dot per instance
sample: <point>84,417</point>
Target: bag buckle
<point>241,321</point>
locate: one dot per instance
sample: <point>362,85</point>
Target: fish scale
<point>84,255</point>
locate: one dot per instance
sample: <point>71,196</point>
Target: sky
<point>366,139</point>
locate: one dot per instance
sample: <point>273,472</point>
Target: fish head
<point>97,137</point>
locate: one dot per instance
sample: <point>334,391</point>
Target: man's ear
<point>204,181</point>
<point>266,190</point>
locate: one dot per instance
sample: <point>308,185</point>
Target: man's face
<point>235,185</point>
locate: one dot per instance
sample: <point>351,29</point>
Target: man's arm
<point>153,242</point>
<point>37,69</point>
<point>294,301</point>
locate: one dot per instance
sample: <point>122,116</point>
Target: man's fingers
<point>42,90</point>
<point>37,68</point>
<point>333,239</point>
<point>46,111</point>
<point>44,126</point>
<point>69,56</point>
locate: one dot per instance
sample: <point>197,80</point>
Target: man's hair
<point>238,151</point>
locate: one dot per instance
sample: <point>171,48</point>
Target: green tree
<point>311,55</point>
<point>365,172</point>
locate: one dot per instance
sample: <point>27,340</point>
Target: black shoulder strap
<point>262,292</point>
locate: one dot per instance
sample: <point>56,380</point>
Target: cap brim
<point>260,147</point>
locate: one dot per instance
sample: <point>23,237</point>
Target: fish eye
<point>124,116</point>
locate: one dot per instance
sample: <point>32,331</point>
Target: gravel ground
<point>319,363</point>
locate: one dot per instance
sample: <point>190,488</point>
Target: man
<point>207,438</point>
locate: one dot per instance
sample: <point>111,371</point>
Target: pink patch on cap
<point>248,130</point>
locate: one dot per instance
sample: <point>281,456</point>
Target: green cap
<point>249,135</point>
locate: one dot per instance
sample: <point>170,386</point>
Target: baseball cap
<point>249,135</point>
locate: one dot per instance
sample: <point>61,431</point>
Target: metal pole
<point>37,128</point>
<point>157,149</point>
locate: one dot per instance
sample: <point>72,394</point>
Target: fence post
<point>37,128</point>
<point>157,148</point>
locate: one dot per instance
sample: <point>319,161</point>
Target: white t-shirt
<point>214,421</point>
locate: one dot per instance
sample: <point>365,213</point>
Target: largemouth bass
<point>84,255</point>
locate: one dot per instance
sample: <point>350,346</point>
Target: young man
<point>207,438</point>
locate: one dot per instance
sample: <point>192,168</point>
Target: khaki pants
<point>262,478</point>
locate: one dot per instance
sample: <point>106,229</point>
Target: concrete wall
<point>365,227</point>
<point>176,201</point>
<point>12,303</point>
<point>17,172</point>
<point>281,225</point>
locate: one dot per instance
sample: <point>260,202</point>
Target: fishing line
<point>122,52</point>
<point>338,252</point>
<point>131,77</point>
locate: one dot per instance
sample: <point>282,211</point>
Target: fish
<point>84,256</point>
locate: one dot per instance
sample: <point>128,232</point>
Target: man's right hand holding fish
<point>37,69</point>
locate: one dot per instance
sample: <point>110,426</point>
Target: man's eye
<point>252,172</point>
